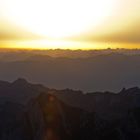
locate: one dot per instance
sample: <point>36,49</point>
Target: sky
<point>75,24</point>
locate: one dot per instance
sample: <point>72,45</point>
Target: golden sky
<point>72,24</point>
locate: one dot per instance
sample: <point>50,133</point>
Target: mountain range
<point>35,112</point>
<point>109,72</point>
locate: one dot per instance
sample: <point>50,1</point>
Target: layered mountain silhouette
<point>19,91</point>
<point>33,112</point>
<point>96,73</point>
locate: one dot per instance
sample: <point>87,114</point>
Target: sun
<point>57,18</point>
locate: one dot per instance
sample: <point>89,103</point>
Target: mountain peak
<point>20,81</point>
<point>131,91</point>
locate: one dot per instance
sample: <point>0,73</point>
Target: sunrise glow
<point>58,18</point>
<point>69,24</point>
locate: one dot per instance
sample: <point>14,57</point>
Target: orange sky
<point>119,28</point>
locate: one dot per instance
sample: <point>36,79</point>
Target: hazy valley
<point>90,71</point>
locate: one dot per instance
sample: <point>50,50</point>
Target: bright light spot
<point>57,18</point>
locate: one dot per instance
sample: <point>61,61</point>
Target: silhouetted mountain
<point>34,112</point>
<point>131,91</point>
<point>19,91</point>
<point>107,105</point>
<point>43,117</point>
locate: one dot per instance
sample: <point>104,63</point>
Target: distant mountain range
<point>35,112</point>
<point>21,54</point>
<point>111,71</point>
